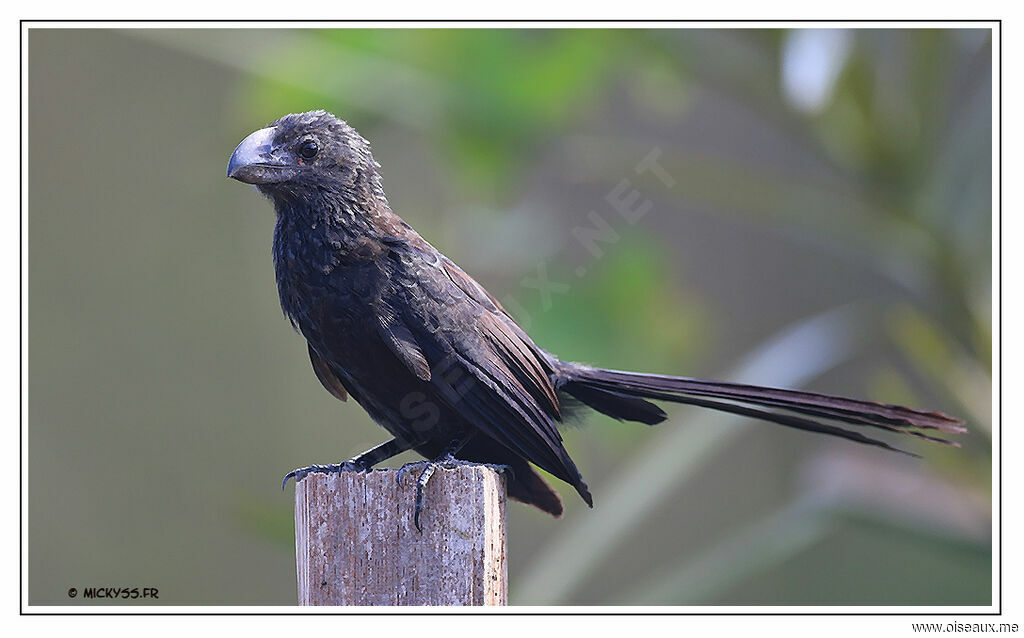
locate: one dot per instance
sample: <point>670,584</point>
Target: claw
<point>289,475</point>
<point>405,468</point>
<point>334,468</point>
<point>421,484</point>
<point>447,460</point>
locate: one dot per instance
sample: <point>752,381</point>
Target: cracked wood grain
<point>355,542</point>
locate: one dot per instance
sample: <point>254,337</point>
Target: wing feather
<point>503,387</point>
<point>327,378</point>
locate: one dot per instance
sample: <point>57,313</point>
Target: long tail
<point>622,395</point>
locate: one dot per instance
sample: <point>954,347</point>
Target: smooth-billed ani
<point>434,358</point>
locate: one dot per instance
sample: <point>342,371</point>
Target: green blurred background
<point>828,225</point>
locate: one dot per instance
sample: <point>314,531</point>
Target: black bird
<point>435,359</point>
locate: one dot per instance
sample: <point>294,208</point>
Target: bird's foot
<point>409,467</point>
<point>421,483</point>
<point>333,468</point>
<point>445,462</point>
<point>451,463</point>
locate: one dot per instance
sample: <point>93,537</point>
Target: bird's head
<point>302,151</point>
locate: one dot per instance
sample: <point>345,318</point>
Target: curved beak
<point>253,161</point>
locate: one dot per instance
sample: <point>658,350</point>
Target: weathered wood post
<point>356,544</point>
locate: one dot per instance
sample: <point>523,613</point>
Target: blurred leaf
<point>937,358</point>
<point>498,101</point>
<point>887,385</point>
<point>627,288</point>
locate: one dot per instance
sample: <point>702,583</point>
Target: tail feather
<point>526,486</point>
<point>616,404</point>
<point>616,393</point>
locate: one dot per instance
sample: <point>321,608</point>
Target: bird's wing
<point>517,352</point>
<point>399,339</point>
<point>484,366</point>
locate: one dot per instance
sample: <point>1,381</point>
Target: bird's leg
<point>359,463</point>
<point>446,459</point>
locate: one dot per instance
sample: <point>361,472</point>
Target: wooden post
<point>355,542</point>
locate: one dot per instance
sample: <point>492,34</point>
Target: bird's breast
<point>323,288</point>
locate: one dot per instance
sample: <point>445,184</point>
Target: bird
<point>436,360</point>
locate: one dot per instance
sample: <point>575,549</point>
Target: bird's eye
<point>309,149</point>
